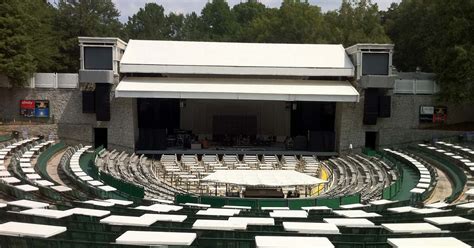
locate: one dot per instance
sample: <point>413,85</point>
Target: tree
<point>295,22</point>
<point>16,61</point>
<point>356,21</point>
<point>192,29</point>
<point>437,37</point>
<point>76,18</point>
<point>244,14</point>
<point>218,21</point>
<point>148,23</point>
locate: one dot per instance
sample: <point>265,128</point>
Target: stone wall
<point>71,125</point>
<point>402,127</point>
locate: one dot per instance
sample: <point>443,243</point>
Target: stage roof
<point>269,178</point>
<point>224,58</point>
<point>237,89</point>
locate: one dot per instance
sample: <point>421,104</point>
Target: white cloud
<point>130,7</point>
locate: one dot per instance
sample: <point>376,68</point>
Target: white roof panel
<point>237,89</point>
<point>190,57</point>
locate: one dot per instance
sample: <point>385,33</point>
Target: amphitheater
<point>58,195</point>
<point>236,145</point>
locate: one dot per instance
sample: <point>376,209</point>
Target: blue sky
<point>130,7</point>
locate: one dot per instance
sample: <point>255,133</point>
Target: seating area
<point>357,173</point>
<point>90,208</point>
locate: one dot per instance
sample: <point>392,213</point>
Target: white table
<point>107,188</point>
<point>290,242</point>
<point>10,180</point>
<point>99,203</point>
<point>86,178</point>
<point>26,188</point>
<point>61,188</point>
<point>438,242</point>
<point>120,202</point>
<point>448,220</point>
<point>311,228</point>
<point>160,208</point>
<point>44,183</point>
<point>289,214</point>
<point>355,214</point>
<point>274,208</point>
<point>48,213</point>
<point>220,225</point>
<point>5,174</point>
<point>382,202</point>
<point>147,238</point>
<point>411,228</point>
<point>317,208</point>
<point>237,207</point>
<point>197,205</point>
<point>28,204</point>
<point>95,183</point>
<point>350,222</point>
<point>352,206</point>
<point>30,230</point>
<point>218,212</point>
<point>88,212</point>
<point>399,210</point>
<point>121,220</point>
<point>162,201</point>
<point>254,221</point>
<point>428,211</point>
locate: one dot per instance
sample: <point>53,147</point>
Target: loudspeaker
<point>385,106</point>
<point>102,102</point>
<point>371,106</point>
<point>88,102</point>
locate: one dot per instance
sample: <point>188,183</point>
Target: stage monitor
<point>375,63</point>
<point>98,58</point>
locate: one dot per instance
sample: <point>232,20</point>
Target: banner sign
<point>433,114</point>
<point>34,108</point>
<point>27,108</point>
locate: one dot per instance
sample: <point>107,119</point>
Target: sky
<point>130,7</point>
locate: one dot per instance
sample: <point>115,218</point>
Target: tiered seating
<point>427,180</point>
<point>122,223</point>
<point>354,174</point>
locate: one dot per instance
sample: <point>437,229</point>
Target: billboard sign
<point>27,108</point>
<point>34,108</point>
<point>433,114</point>
<point>42,108</point>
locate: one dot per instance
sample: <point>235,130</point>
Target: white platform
<point>147,238</point>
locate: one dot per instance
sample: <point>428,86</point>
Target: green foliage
<point>16,60</point>
<point>76,18</point>
<point>218,21</point>
<point>436,37</point>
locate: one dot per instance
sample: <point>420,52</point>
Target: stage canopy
<point>267,178</point>
<point>226,58</point>
<point>237,89</point>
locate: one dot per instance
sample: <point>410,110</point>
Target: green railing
<point>5,137</point>
<point>256,203</point>
<point>123,186</point>
<point>44,157</point>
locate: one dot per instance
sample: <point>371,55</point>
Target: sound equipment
<point>371,107</point>
<point>102,102</point>
<point>385,104</point>
<point>88,102</point>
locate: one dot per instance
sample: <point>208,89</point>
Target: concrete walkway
<point>52,167</point>
<point>442,190</point>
